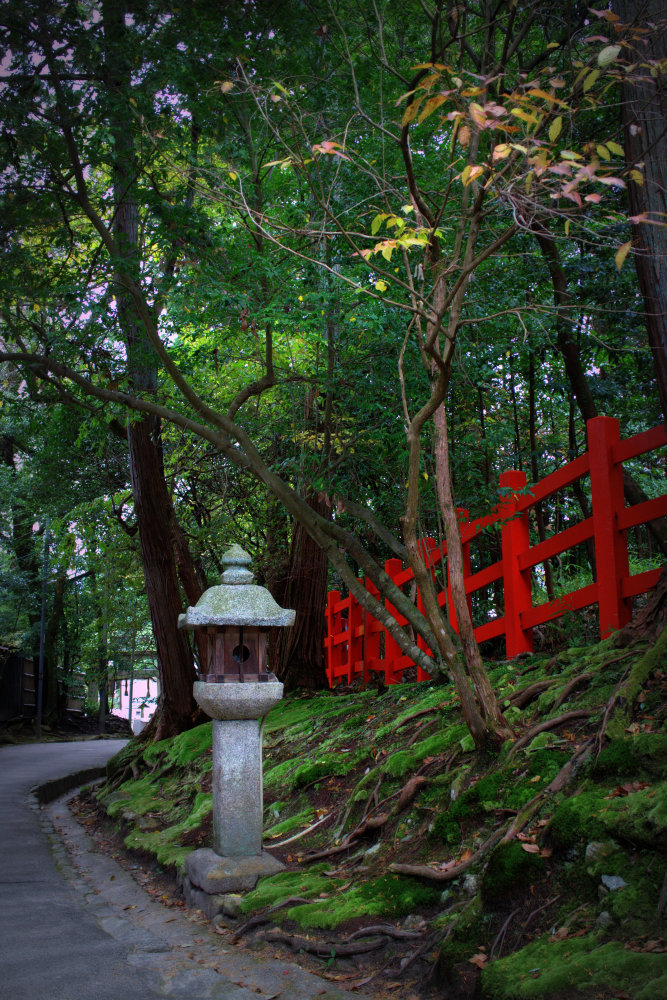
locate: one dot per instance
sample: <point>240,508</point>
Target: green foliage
<point>510,869</point>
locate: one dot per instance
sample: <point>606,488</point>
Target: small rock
<point>414,922</point>
<point>604,919</point>
<point>598,849</point>
<point>374,848</point>
<point>445,896</point>
<point>470,884</point>
<point>231,904</point>
<point>613,882</point>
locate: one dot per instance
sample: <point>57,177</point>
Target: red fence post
<point>515,541</point>
<point>371,635</point>
<point>330,650</point>
<point>355,646</point>
<point>611,545</point>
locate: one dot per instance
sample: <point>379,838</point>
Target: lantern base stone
<point>209,877</point>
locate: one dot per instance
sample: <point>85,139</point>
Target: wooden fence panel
<point>357,644</point>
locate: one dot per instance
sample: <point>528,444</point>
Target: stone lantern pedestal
<point>237,692</point>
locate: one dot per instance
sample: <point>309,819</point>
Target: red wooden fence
<point>357,644</point>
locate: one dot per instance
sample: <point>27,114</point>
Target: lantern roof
<point>236,600</point>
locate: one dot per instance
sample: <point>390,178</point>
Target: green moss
<point>300,819</point>
<point>190,746</point>
<point>387,896</point>
<point>140,797</point>
<point>509,868</point>
<point>576,968</point>
<point>304,882</point>
<point>324,767</point>
<point>644,754</point>
<point>639,818</point>
<point>278,773</point>
<point>577,820</point>
<point>653,659</point>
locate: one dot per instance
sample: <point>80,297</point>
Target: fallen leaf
<point>480,960</point>
<point>530,848</point>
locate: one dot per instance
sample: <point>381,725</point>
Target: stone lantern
<point>237,691</point>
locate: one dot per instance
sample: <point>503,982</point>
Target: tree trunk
<point>153,509</point>
<point>576,374</point>
<point>644,108</point>
<point>486,698</point>
<point>299,651</point>
<point>50,708</point>
<point>176,706</point>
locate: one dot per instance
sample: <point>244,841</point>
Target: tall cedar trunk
<point>576,373</point>
<point>176,707</point>
<point>644,107</point>
<point>51,702</point>
<point>299,651</point>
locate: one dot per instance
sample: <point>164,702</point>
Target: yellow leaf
<point>227,86</point>
<point>501,151</point>
<point>387,252</point>
<point>525,116</point>
<point>381,285</point>
<point>637,176</point>
<point>232,175</point>
<point>590,79</point>
<point>567,227</point>
<point>133,102</point>
<point>470,173</point>
<point>555,128</point>
<point>37,308</point>
<point>553,45</point>
<point>603,152</point>
<point>622,253</point>
<point>407,208</point>
<point>615,148</point>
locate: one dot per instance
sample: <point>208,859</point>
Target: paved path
<point>76,926</point>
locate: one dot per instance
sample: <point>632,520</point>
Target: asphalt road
<point>76,926</point>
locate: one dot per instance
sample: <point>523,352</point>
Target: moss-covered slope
<point>536,873</point>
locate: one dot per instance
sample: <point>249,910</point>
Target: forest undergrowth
<point>413,861</point>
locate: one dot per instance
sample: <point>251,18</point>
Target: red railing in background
<point>356,643</point>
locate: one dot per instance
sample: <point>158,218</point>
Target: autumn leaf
<point>530,848</point>
<point>621,254</point>
<point>480,960</point>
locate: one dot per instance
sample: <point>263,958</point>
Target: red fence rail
<point>356,643</point>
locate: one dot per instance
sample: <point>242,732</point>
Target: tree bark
<point>576,374</point>
<point>153,509</point>
<point>644,109</point>
<point>299,651</point>
<point>176,706</point>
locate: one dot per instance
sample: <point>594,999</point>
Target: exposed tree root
<point>500,937</point>
<point>322,948</point>
<point>526,695</point>
<point>388,929</point>
<point>265,917</point>
<point>453,869</point>
<point>569,688</point>
<point>580,713</point>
